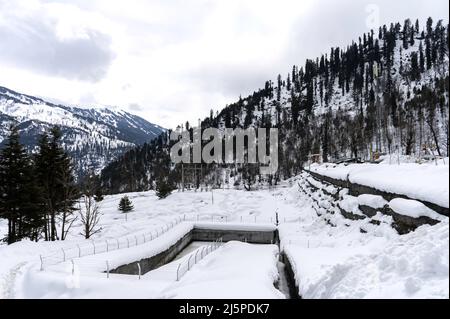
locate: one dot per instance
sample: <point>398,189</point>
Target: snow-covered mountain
<point>385,93</point>
<point>93,137</point>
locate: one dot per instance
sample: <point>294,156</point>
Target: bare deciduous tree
<point>90,213</point>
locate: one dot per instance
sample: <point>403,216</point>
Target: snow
<point>350,204</point>
<point>341,262</point>
<point>410,266</point>
<point>427,182</point>
<point>330,255</point>
<point>412,208</point>
<point>238,271</point>
<point>373,201</point>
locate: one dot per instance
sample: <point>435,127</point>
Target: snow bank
<point>413,208</point>
<point>237,271</point>
<point>236,226</point>
<point>351,204</point>
<point>372,201</point>
<point>427,182</point>
<point>332,258</point>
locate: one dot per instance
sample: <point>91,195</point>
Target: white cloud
<point>172,61</point>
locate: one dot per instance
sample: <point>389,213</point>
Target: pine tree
<point>428,52</point>
<point>20,201</point>
<point>99,195</point>
<point>163,189</point>
<point>125,205</point>
<point>415,68</point>
<point>56,180</point>
<point>421,58</point>
<point>406,33</point>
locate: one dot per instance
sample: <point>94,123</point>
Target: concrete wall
<point>207,235</point>
<point>290,277</point>
<point>153,262</point>
<point>253,237</point>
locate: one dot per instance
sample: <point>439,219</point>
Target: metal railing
<point>104,246</point>
<point>196,257</point>
<point>94,247</point>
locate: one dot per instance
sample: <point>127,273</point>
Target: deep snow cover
<point>330,260</point>
<point>428,182</point>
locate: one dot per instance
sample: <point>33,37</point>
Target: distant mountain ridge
<point>93,137</point>
<point>386,92</point>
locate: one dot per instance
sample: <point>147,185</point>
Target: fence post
<point>196,253</point>
<point>178,272</point>
<point>73,268</point>
<point>79,251</point>
<point>139,270</point>
<point>107,269</point>
<point>128,243</point>
<point>107,246</point>
<point>189,262</point>
<point>93,244</point>
<point>42,262</point>
<point>144,239</point>
<point>135,237</point>
<point>64,254</point>
<point>241,219</point>
<point>118,244</point>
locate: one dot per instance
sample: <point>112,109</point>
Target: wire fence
<point>196,257</point>
<point>103,246</point>
<point>304,243</point>
<point>94,247</point>
<point>242,219</point>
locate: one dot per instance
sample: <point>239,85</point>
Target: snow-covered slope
<point>94,137</point>
<point>332,258</point>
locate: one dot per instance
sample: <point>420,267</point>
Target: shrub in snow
<point>125,205</point>
<point>163,189</point>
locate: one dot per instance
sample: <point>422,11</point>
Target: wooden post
<point>182,176</point>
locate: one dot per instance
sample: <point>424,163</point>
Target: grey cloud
<point>33,44</point>
<point>232,80</point>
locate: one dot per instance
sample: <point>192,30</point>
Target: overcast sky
<point>173,60</point>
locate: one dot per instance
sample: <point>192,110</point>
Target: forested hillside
<point>385,93</point>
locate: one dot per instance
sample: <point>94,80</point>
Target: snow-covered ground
<point>331,260</point>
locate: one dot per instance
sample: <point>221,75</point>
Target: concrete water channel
<point>203,235</point>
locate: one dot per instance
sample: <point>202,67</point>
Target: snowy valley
<point>94,206</point>
<point>331,255</point>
